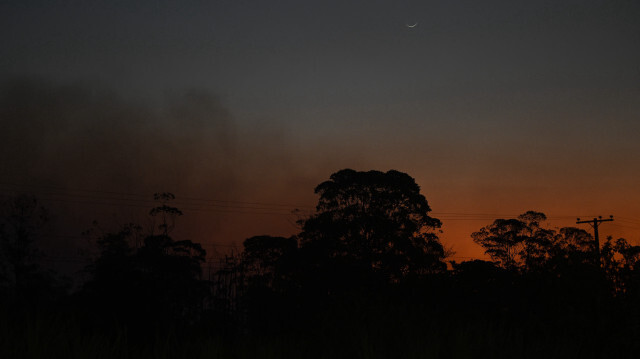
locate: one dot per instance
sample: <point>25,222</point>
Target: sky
<point>241,108</point>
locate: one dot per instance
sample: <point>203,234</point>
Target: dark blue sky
<point>269,54</point>
<point>491,105</point>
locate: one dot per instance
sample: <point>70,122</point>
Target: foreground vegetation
<point>367,277</point>
<point>355,330</point>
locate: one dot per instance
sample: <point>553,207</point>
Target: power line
<point>139,198</point>
<point>630,220</point>
<point>143,203</point>
<point>145,197</point>
<point>209,205</point>
<point>188,208</point>
<point>216,208</point>
<point>625,226</point>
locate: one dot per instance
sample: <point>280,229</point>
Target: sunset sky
<point>494,107</point>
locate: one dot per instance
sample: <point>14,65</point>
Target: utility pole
<point>594,223</point>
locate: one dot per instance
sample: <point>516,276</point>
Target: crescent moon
<point>411,26</point>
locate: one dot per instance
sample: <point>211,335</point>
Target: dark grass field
<point>354,329</point>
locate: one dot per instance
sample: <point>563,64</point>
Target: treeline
<point>367,273</point>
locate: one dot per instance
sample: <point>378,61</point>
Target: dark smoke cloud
<point>82,136</point>
<point>78,135</point>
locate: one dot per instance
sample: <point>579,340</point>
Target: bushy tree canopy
<point>156,274</point>
<point>376,220</point>
<point>524,243</point>
<point>268,260</point>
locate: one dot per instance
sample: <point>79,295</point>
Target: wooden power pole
<point>595,223</point>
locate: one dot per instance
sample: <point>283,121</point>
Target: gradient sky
<point>495,107</point>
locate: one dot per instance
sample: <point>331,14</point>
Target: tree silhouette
<point>570,249</point>
<point>517,243</point>
<point>621,261</point>
<point>166,213</point>
<point>269,261</point>
<point>524,244</point>
<point>502,241</point>
<point>268,295</point>
<point>21,221</point>
<point>374,222</point>
<point>160,278</point>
